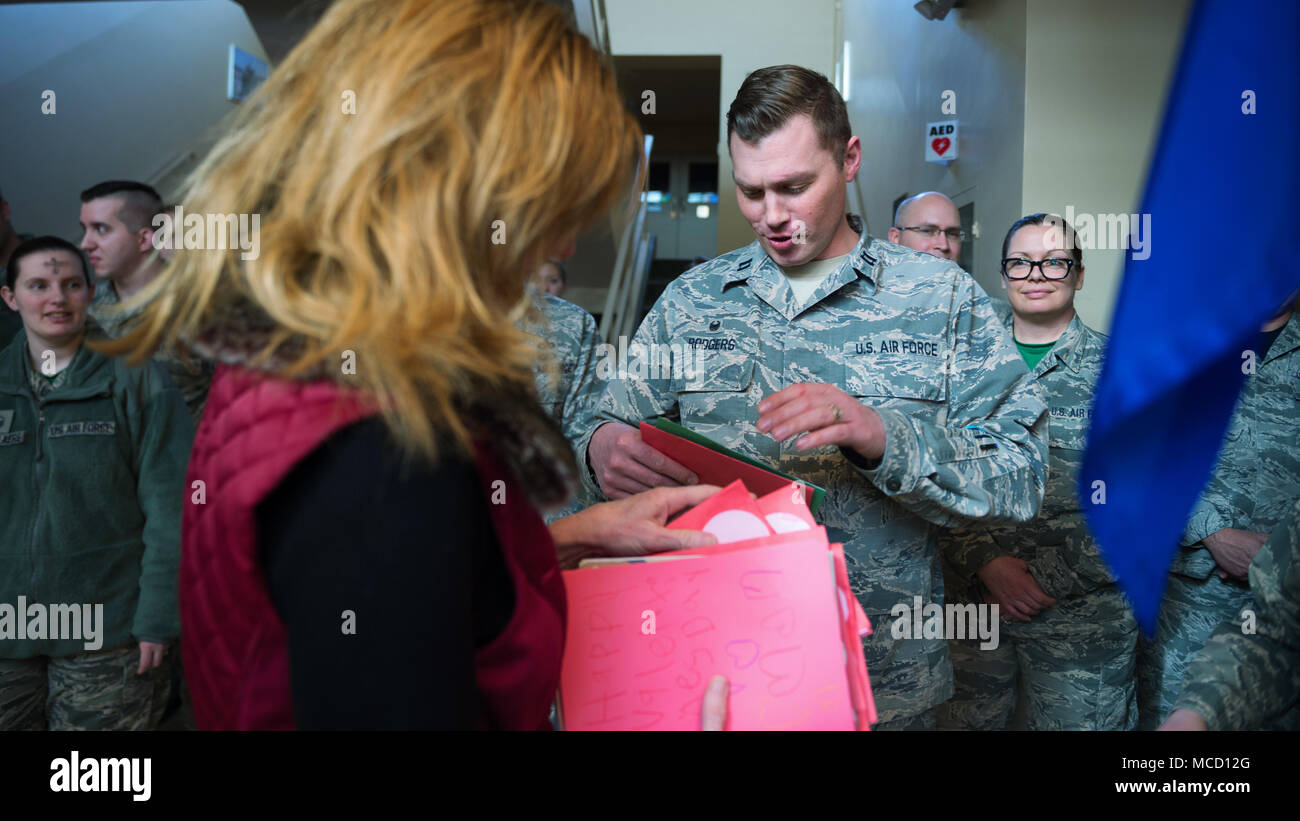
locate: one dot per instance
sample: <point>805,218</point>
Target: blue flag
<point>1220,260</point>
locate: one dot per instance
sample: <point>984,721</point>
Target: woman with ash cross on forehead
<point>92,464</point>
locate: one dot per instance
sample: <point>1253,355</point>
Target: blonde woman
<point>361,548</point>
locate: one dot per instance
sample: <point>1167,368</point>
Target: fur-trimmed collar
<point>512,424</point>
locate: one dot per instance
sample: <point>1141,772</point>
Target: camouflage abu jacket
<point>909,334</point>
<point>566,383</point>
<point>1056,545</point>
<point>1242,680</point>
<point>1257,478</point>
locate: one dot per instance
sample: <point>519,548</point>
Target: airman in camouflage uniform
<point>119,218</point>
<point>908,334</point>
<point>1254,485</point>
<point>1076,658</point>
<point>877,372</point>
<point>1243,680</point>
<point>567,387</point>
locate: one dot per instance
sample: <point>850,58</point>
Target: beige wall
<point>136,84</point>
<point>1059,102</point>
<point>747,35</point>
<point>900,65</point>
<point>1096,75</point>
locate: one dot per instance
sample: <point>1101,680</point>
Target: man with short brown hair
<point>880,374</point>
<point>117,219</point>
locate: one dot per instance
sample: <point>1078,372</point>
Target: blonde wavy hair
<point>473,119</point>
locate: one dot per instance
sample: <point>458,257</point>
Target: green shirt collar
<point>1071,350</point>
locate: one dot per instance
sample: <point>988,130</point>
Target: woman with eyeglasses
<point>1070,638</point>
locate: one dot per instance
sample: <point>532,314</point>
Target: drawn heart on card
<point>743,652</point>
<point>785,668</point>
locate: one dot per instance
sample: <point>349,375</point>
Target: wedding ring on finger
<point>835,409</point>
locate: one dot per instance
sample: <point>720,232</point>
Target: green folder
<point>669,426</point>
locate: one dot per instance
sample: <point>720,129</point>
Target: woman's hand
<point>1014,589</point>
<point>151,655</point>
<point>713,710</point>
<point>633,526</point>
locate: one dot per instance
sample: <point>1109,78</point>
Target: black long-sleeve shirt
<point>409,549</point>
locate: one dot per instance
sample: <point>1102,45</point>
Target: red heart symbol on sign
<point>940,145</point>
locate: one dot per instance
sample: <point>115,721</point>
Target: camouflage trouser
<point>986,686</point>
<point>920,721</point>
<point>88,691</point>
<point>1073,664</point>
<point>1191,611</point>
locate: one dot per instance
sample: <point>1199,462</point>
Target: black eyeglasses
<point>1051,268</point>
<point>932,231</point>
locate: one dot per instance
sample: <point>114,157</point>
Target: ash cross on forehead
<point>54,263</point>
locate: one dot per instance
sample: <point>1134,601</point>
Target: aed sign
<point>941,141</point>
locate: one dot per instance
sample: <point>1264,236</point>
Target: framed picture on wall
<point>244,74</point>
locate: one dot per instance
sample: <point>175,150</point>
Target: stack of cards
<point>769,607</point>
<point>718,465</point>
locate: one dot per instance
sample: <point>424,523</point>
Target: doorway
<point>676,99</point>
